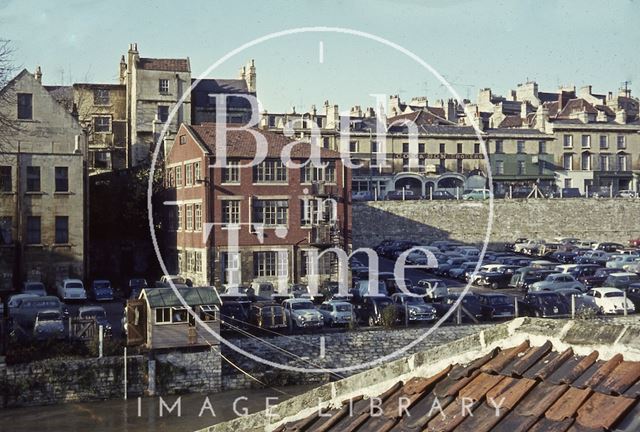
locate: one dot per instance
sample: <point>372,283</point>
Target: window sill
<point>63,193</point>
<point>36,245</point>
<point>62,245</point>
<point>34,193</point>
<point>282,183</point>
<point>7,193</point>
<point>230,183</point>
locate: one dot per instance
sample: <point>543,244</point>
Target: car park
<point>48,324</point>
<point>35,288</point>
<point>556,281</point>
<point>302,314</point>
<point>412,308</point>
<point>403,194</point>
<point>443,268</point>
<point>545,305</point>
<point>71,289</point>
<point>26,309</point>
<point>511,246</point>
<point>461,272</point>
<point>611,300</point>
<point>620,260</point>
<point>496,279</point>
<point>626,194</point>
<point>441,195</point>
<point>101,290</point>
<point>582,270</point>
<point>608,246</point>
<point>582,302</point>
<point>469,301</point>
<point>337,313</point>
<point>262,290</point>
<point>98,314</point>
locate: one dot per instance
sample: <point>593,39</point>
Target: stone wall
<point>70,380</point>
<point>188,372</point>
<point>341,350</point>
<point>596,219</point>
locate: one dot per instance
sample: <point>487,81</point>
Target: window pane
<point>62,179</point>
<point>33,230</point>
<point>5,179</point>
<point>25,108</point>
<point>62,229</point>
<point>33,179</point>
<point>5,230</point>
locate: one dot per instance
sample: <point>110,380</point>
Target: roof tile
<point>603,411</point>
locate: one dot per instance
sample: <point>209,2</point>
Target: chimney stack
<point>251,79</point>
<point>621,116</point>
<point>38,74</point>
<point>123,70</point>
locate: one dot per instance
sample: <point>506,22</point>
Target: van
<point>71,289</point>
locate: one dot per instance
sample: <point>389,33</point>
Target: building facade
<point>279,214</point>
<point>42,187</point>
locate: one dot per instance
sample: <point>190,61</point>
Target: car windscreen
<point>74,285</point>
<point>40,304</point>
<point>101,285</point>
<point>49,316</point>
<point>413,300</point>
<point>343,308</point>
<point>97,313</point>
<point>34,287</point>
<point>499,300</point>
<point>614,294</point>
<point>300,306</point>
<point>548,300</point>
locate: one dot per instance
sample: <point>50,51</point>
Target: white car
<point>301,313</point>
<point>611,300</point>
<point>71,289</point>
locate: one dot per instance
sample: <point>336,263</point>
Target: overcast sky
<point>472,43</point>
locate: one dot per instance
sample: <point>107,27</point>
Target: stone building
<point>153,88</point>
<point>279,214</point>
<point>102,111</point>
<point>43,173</point>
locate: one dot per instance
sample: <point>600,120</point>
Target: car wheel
<point>371,322</point>
<point>494,286</point>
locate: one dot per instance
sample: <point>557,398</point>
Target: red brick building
<point>279,213</point>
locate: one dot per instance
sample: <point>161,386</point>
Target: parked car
<point>626,194</point>
<point>407,194</point>
<point>460,272</point>
<point>71,289</point>
<point>583,302</point>
<point>470,302</point>
<point>369,309</point>
<point>582,270</point>
<point>598,278</point>
<point>267,315</point>
<point>99,315</point>
<point>365,288</point>
<point>441,195</point>
<point>556,281</point>
<point>362,196</point>
<point>301,314</point>
<point>48,325</point>
<point>433,288</point>
<point>568,193</point>
<point>618,261</point>
<point>502,306</point>
<point>35,288</point>
<point>536,275</point>
<point>621,280</point>
<point>234,314</point>
<point>443,268</point>
<point>412,308</point>
<point>336,313</point>
<point>476,194</point>
<point>166,281</point>
<point>136,285</point>
<point>545,305</point>
<point>101,290</point>
<point>608,246</point>
<point>611,300</point>
<point>510,246</point>
<point>526,245</point>
<point>496,279</point>
<point>262,290</point>
<point>26,309</point>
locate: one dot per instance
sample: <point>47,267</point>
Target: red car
<point>634,242</point>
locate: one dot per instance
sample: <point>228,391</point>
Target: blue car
<point>101,290</point>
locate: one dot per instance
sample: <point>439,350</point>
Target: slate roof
<point>535,388</point>
<point>194,296</point>
<point>511,121</point>
<point>159,64</point>
<point>242,144</point>
<point>206,87</point>
<point>577,105</point>
<point>421,117</point>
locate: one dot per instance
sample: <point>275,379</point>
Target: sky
<point>473,44</point>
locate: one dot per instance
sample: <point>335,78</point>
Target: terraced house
<point>42,186</point>
<point>278,213</point>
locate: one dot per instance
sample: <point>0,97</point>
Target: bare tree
<point>8,125</point>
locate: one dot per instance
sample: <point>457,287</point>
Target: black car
<point>545,304</point>
<point>609,247</point>
<point>633,294</point>
<point>510,246</point>
<point>368,309</point>
<point>234,315</point>
<point>470,302</point>
<point>564,257</point>
<point>503,306</point>
<point>584,270</point>
<point>597,279</point>
<point>441,195</point>
<point>497,279</point>
<point>532,277</point>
